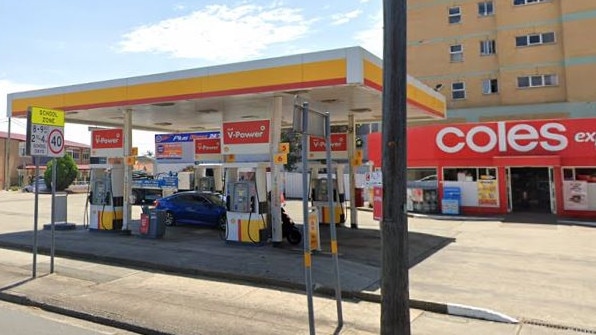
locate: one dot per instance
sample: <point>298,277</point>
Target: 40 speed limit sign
<point>56,143</point>
<point>45,132</point>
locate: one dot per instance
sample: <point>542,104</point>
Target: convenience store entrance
<point>530,189</point>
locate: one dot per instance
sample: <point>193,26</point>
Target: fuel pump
<point>246,203</point>
<point>320,196</point>
<point>106,196</point>
<point>209,177</point>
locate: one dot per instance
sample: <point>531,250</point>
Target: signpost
<point>313,123</point>
<point>45,138</point>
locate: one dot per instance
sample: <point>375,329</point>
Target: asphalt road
<point>20,320</point>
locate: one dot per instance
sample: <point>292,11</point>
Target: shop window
<point>362,129</point>
<point>469,174</point>
<point>487,173</point>
<point>588,174</point>
<point>422,174</point>
<point>568,174</point>
<point>460,174</point>
<point>579,188</point>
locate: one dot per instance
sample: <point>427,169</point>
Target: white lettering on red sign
<point>583,137</point>
<point>321,144</point>
<point>239,134</point>
<point>105,140</point>
<point>205,147</point>
<point>520,137</point>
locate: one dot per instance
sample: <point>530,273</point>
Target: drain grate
<point>556,326</point>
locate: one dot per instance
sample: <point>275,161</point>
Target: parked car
<point>40,184</point>
<point>78,187</point>
<point>194,207</point>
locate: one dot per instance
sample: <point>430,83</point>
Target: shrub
<point>66,172</point>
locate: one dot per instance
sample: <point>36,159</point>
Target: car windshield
<point>214,198</point>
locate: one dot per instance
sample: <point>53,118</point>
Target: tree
<point>66,172</point>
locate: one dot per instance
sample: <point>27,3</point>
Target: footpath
<point>149,302</point>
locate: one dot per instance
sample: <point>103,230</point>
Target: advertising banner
<point>247,137</point>
<point>575,194</point>
<point>179,148</point>
<point>488,193</point>
<point>169,151</point>
<point>339,147</point>
<point>208,150</point>
<point>378,203</point>
<point>374,178</point>
<point>107,143</point>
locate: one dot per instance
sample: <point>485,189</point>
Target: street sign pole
<point>332,228</point>
<point>306,238</point>
<point>53,221</point>
<point>35,215</point>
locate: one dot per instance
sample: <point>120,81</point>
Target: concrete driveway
<point>541,273</point>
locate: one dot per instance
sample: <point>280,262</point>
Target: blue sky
<point>49,43</point>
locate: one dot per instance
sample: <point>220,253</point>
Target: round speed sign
<point>56,142</point>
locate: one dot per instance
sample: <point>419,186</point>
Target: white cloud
<point>343,18</point>
<point>372,39</point>
<point>6,87</point>
<point>219,33</point>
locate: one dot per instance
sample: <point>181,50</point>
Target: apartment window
<point>525,2</point>
<point>485,8</point>
<point>458,90</point>
<point>488,47</point>
<point>490,86</point>
<point>537,81</point>
<point>534,39</point>
<point>456,53</point>
<point>454,15</point>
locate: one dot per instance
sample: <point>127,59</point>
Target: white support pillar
<point>218,175</point>
<point>276,230</point>
<point>127,184</point>
<point>351,172</point>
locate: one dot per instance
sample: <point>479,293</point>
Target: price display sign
<point>45,132</point>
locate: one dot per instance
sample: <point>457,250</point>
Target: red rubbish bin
<point>359,198</point>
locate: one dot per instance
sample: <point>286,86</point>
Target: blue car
<point>194,207</point>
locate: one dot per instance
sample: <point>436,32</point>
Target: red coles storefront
<point>535,166</point>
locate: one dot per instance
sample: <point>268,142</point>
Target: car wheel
<point>222,226</point>
<point>294,236</point>
<point>170,220</point>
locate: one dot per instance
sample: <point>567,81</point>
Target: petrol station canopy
<point>341,82</point>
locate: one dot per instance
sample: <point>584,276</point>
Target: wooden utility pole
<point>395,305</point>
